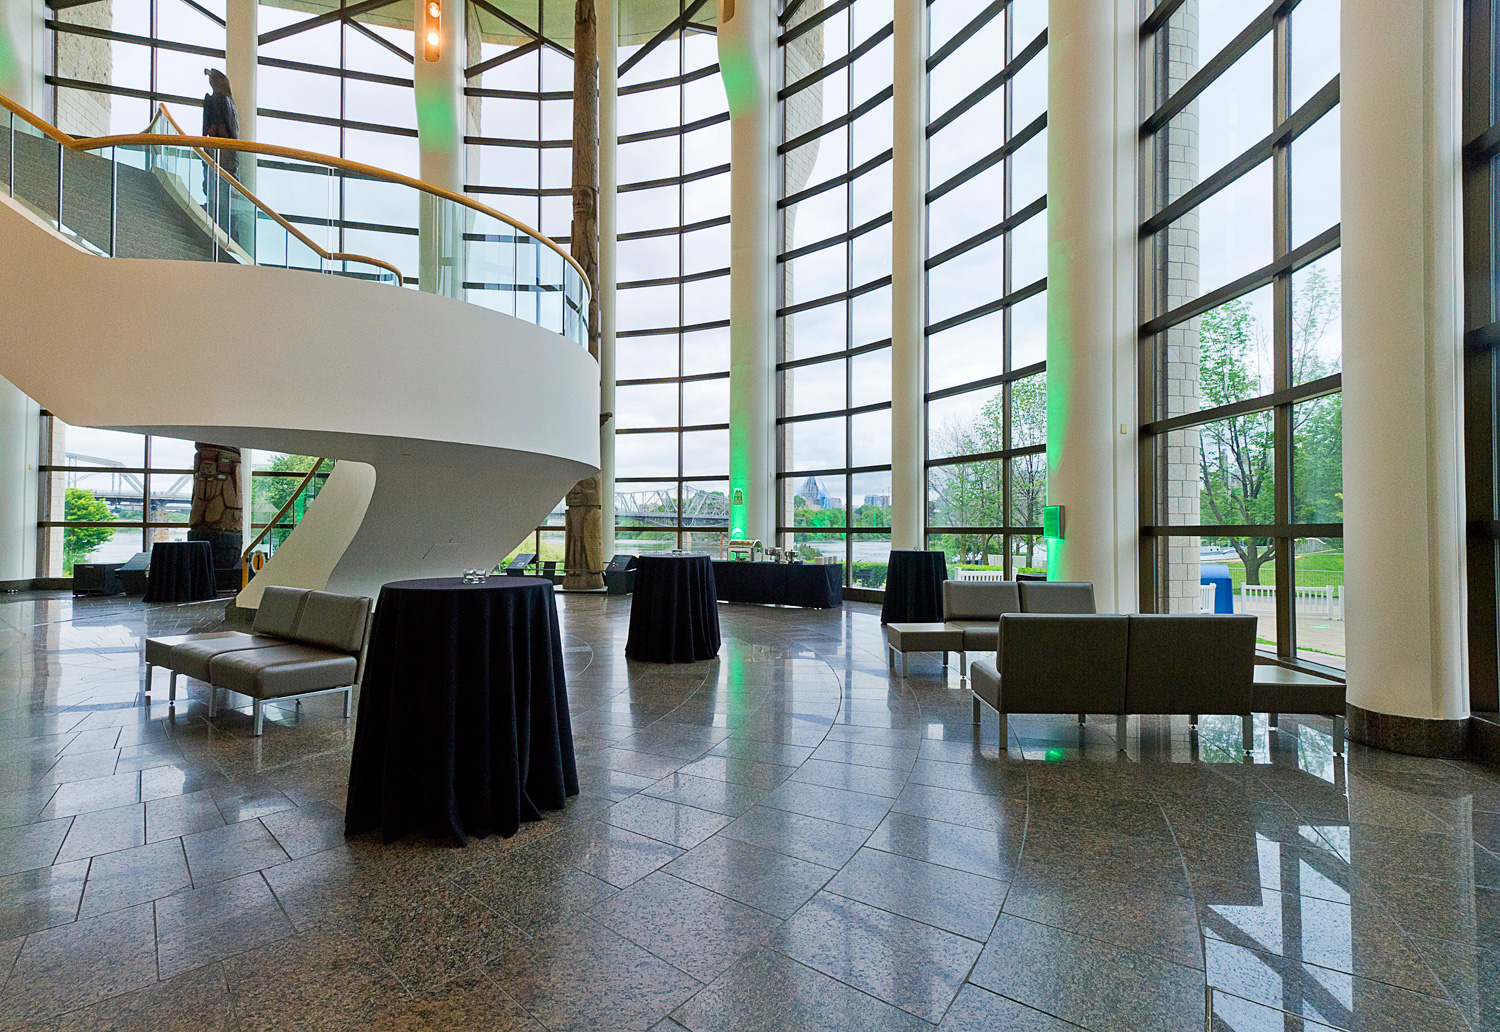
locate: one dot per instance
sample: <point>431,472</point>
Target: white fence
<point>1326,600</point>
<point>986,576</point>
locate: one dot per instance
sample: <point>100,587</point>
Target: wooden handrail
<point>26,116</point>
<point>245,559</point>
<point>326,255</point>
<point>344,164</point>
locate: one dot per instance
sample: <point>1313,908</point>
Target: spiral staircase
<point>148,290</point>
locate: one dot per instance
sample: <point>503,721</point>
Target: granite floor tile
<point>739,771</point>
<point>960,902</point>
<point>970,809</point>
<point>104,831</point>
<point>770,992</point>
<point>762,751</point>
<point>759,877</point>
<point>75,965</point>
<point>890,738</point>
<point>80,767</point>
<point>686,925</point>
<point>40,898</point>
<point>95,794</point>
<point>471,1001</point>
<point>978,1010</point>
<point>246,802</point>
<point>434,932</point>
<point>131,876</point>
<point>531,888</point>
<point>611,784</point>
<point>1342,1000</point>
<point>1306,866</point>
<point>724,797</point>
<point>1102,987</point>
<point>235,849</point>
<point>645,765</point>
<point>22,805</point>
<point>1100,812</point>
<point>1147,863</point>
<point>610,854</point>
<point>817,841</point>
<point>986,778</point>
<point>1356,939</point>
<point>674,823</point>
<point>324,980</point>
<point>197,1001</point>
<point>1161,925</point>
<point>993,854</point>
<point>851,778</point>
<point>306,829</point>
<point>175,816</point>
<point>205,925</point>
<point>1470,974</point>
<point>856,809</point>
<point>866,755</point>
<point>29,846</point>
<point>587,978</point>
<point>913,966</point>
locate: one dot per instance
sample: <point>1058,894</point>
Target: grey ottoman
<point>923,637</point>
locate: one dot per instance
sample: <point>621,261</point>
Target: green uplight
<point>1054,755</point>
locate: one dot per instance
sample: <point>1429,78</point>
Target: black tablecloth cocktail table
<point>914,587</point>
<point>181,571</point>
<point>785,584</point>
<point>674,615</point>
<point>463,712</point>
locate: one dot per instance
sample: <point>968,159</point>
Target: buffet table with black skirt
<point>181,571</point>
<point>463,713</point>
<point>674,612</point>
<point>786,584</point>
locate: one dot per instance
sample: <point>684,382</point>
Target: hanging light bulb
<point>433,39</point>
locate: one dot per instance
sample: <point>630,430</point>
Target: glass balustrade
<point>146,198</point>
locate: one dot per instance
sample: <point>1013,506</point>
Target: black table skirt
<point>463,713</point>
<point>787,584</point>
<point>914,587</point>
<point>181,571</point>
<point>674,615</point>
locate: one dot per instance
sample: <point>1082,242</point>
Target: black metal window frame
<point>1019,53</point>
<point>1273,21</point>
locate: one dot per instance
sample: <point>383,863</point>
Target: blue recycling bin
<point>1217,574</point>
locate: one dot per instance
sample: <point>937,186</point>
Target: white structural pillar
<point>1091,288</point>
<point>439,75</point>
<point>1399,88</point>
<point>747,45</point>
<point>241,46</point>
<point>908,208</point>
<point>21,52</point>
<point>609,90</point>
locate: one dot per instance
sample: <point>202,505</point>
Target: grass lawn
<point>1313,570</point>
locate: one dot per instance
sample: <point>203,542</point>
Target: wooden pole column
<point>583,536</point>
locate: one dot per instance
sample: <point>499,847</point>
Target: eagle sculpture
<point>220,119</point>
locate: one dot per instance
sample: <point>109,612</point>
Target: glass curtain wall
<point>987,284</point>
<point>1240,347</point>
<point>672,270</point>
<point>112,61</point>
<point>1482,342</point>
<point>834,260</point>
<point>106,495</point>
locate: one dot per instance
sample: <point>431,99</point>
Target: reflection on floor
<point>788,838</point>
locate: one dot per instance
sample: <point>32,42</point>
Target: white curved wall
<point>476,422</point>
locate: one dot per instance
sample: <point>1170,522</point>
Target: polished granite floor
<point>788,838</point>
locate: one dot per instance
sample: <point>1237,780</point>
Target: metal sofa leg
<point>1004,733</point>
<point>963,665</point>
<point>1082,719</point>
<point>976,709</point>
<point>1273,721</point>
<point>260,717</point>
<point>348,701</point>
<point>1122,730</point>
<point>890,655</point>
<point>945,659</point>
<point>172,688</point>
<point>147,692</point>
<point>903,664</point>
<point>1338,734</point>
<point>1192,720</point>
<point>1247,731</point>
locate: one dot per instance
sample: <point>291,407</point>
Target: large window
<point>672,304</point>
<point>834,312</point>
<point>986,284</point>
<point>1241,456</point>
<point>1482,342</point>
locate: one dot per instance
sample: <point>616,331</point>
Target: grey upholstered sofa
<point>971,616</point>
<point>1120,664</point>
<point>302,643</point>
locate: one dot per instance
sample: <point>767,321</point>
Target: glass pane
<point>645,505</point>
<point>1236,476</point>
<point>966,424</point>
<point>1319,608</point>
<point>816,444</point>
<point>966,494</point>
<point>1251,566</point>
<point>1318,460</point>
<point>1314,61</point>
<point>820,387</point>
<point>646,455</point>
<point>1317,320</point>
<point>1315,179</point>
<point>872,557</point>
<point>1231,232</point>
<point>1222,356</point>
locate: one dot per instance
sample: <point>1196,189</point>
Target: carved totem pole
<point>584,530</point>
<point>217,514</point>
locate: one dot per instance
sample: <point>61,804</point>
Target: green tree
<point>81,542</point>
<point>1236,453</point>
<point>269,494</point>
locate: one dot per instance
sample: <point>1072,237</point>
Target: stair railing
<point>266,530</point>
<point>175,128</point>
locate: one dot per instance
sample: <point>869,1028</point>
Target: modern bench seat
<point>971,614</point>
<point>302,643</point>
